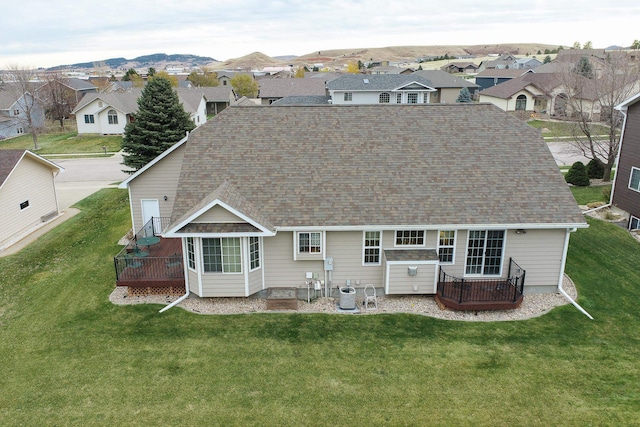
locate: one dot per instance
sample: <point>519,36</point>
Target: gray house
<point>14,106</point>
<point>414,199</point>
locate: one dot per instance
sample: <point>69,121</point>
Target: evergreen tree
<point>595,169</point>
<point>464,96</point>
<point>547,59</point>
<point>159,123</point>
<point>577,175</point>
<point>584,68</point>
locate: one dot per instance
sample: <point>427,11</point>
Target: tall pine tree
<point>159,123</point>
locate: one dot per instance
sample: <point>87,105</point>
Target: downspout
<point>186,284</point>
<point>615,176</point>
<point>564,261</point>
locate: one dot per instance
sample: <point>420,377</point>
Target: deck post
<point>461,289</point>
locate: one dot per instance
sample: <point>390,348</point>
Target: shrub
<point>595,169</point>
<point>606,192</point>
<point>577,175</point>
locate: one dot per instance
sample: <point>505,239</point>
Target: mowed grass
<point>66,143</point>
<point>559,129</point>
<point>592,193</point>
<point>70,357</point>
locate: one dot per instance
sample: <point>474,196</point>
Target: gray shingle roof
<point>127,102</point>
<point>441,79</point>
<point>390,165</point>
<point>375,82</point>
<point>303,100</point>
<point>279,88</point>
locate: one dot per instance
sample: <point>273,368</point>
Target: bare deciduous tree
<point>22,84</point>
<point>56,97</point>
<point>591,102</point>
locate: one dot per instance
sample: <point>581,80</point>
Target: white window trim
<point>424,239</point>
<point>195,254</point>
<point>466,252</point>
<point>348,96</point>
<point>259,253</point>
<point>364,239</point>
<point>221,255</point>
<point>455,241</point>
<point>637,170</point>
<point>308,255</point>
<point>631,218</point>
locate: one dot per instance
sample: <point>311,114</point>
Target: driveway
<point>84,176</point>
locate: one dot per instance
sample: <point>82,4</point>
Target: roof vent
<point>366,81</point>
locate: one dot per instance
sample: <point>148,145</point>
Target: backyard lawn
<point>70,357</point>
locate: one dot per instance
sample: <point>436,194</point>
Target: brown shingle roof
<point>390,165</point>
<point>8,160</point>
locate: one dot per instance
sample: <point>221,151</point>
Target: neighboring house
<point>625,193</point>
<point>397,196</point>
<point>13,107</point>
<point>503,62</point>
<point>489,78</point>
<point>530,92</point>
<point>273,89</point>
<point>218,98</point>
<point>447,87</point>
<point>27,193</point>
<point>526,63</point>
<point>460,67</point>
<point>225,76</point>
<point>380,89</point>
<point>109,113</point>
<point>74,89</point>
<point>390,69</point>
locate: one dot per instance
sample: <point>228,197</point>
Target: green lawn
<point>564,129</point>
<point>69,357</point>
<point>65,143</point>
<point>593,193</point>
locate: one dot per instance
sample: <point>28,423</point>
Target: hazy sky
<point>43,33</point>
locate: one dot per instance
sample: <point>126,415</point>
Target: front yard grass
<point>561,129</point>
<point>66,143</point>
<point>70,357</point>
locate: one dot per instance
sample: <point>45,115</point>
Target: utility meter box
<point>328,264</point>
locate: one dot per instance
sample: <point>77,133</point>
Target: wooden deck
<point>157,265</point>
<point>479,295</point>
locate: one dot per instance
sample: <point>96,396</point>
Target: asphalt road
<point>84,176</point>
<point>566,154</point>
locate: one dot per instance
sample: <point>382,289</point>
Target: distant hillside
<point>332,58</point>
<point>157,60</point>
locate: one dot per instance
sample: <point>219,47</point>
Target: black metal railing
<point>133,263</point>
<point>148,268</point>
<point>483,290</point>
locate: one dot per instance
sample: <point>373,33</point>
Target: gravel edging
<point>533,305</point>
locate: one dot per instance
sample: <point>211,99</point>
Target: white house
<point>108,113</point>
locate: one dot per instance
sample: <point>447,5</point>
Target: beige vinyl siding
<point>280,268</point>
<point>192,277</point>
<point>346,248</point>
<point>401,283</point>
<point>223,285</point>
<point>539,253</point>
<point>30,181</point>
<point>255,281</point>
<point>158,181</point>
<point>219,214</point>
